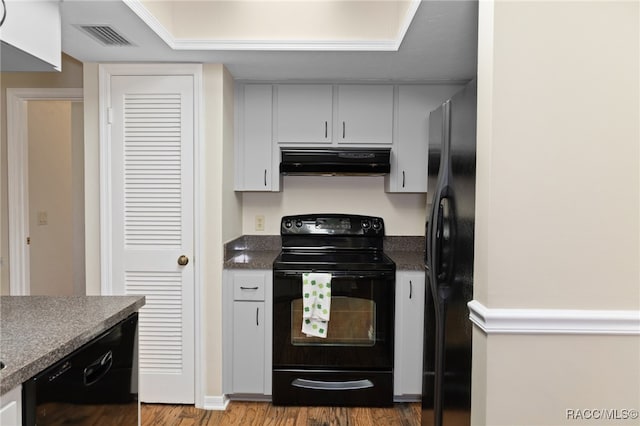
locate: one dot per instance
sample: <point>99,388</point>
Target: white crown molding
<point>406,23</point>
<point>391,45</point>
<point>553,321</point>
<point>285,45</point>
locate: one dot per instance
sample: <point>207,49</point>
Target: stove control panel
<point>332,224</point>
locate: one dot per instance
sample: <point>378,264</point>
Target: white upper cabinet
<point>410,149</point>
<point>271,116</point>
<point>255,170</point>
<point>31,36</point>
<point>365,114</point>
<point>304,113</point>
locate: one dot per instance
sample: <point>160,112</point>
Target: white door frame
<point>18,177</point>
<point>105,71</point>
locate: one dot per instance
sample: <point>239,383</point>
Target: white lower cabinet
<point>248,347</point>
<point>11,407</point>
<point>409,326</point>
<point>247,332</point>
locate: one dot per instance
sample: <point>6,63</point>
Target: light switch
<point>43,218</point>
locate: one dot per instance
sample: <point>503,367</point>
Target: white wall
<point>91,179</point>
<point>71,77</point>
<point>50,194</point>
<point>77,191</point>
<point>558,204</point>
<point>222,211</point>
<point>404,214</point>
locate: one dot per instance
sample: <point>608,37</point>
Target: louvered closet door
<point>152,189</point>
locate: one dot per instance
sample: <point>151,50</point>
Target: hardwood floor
<point>264,413</point>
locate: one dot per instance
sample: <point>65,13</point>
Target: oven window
<point>352,323</point>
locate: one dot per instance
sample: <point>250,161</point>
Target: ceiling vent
<point>105,35</point>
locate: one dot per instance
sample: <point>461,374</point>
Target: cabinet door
<point>248,347</point>
<point>409,333</point>
<point>11,407</point>
<point>365,114</point>
<point>409,168</point>
<point>253,146</point>
<point>304,113</point>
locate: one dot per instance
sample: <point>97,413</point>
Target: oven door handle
<point>338,274</point>
<point>332,386</point>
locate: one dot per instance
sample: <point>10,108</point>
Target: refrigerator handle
<point>444,235</point>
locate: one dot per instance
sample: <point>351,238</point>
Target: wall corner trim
<point>554,321</point>
<point>218,403</point>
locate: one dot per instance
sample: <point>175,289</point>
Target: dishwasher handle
<point>97,370</point>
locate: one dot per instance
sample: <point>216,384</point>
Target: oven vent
<point>106,35</point>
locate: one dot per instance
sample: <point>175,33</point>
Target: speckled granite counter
<point>252,252</point>
<point>407,260</point>
<point>259,252</point>
<point>251,259</point>
<point>406,251</point>
<point>37,331</point>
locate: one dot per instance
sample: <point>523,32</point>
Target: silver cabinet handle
<point>403,178</point>
<point>343,129</point>
<point>257,312</point>
<point>265,177</point>
<point>326,125</point>
<point>410,289</point>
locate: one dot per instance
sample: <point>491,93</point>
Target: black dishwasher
<point>95,385</point>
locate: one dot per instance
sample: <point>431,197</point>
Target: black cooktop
<point>332,242</point>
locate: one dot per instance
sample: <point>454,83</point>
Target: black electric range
<point>353,364</point>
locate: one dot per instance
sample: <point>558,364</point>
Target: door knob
<point>183,260</point>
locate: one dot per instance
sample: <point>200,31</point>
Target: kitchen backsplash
<point>403,214</point>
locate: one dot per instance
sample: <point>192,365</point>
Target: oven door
<point>360,329</point>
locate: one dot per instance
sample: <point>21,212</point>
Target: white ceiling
<point>440,45</point>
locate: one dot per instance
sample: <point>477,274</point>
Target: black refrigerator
<point>446,384</point>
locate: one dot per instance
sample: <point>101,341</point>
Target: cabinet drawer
<point>248,286</point>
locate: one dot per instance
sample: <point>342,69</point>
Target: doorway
<point>46,191</point>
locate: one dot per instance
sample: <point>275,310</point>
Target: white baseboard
<point>218,403</point>
<point>553,321</point>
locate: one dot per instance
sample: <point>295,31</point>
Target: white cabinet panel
<point>31,36</point>
<point>410,149</point>
<point>248,347</point>
<point>11,407</point>
<point>248,286</point>
<point>409,326</point>
<point>253,156</point>
<point>247,333</point>
<point>304,113</point>
<point>365,114</point>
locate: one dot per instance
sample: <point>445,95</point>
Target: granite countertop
<point>407,260</point>
<point>259,252</point>
<point>37,331</point>
<point>251,259</point>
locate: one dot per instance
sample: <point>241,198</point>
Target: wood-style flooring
<point>264,413</point>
